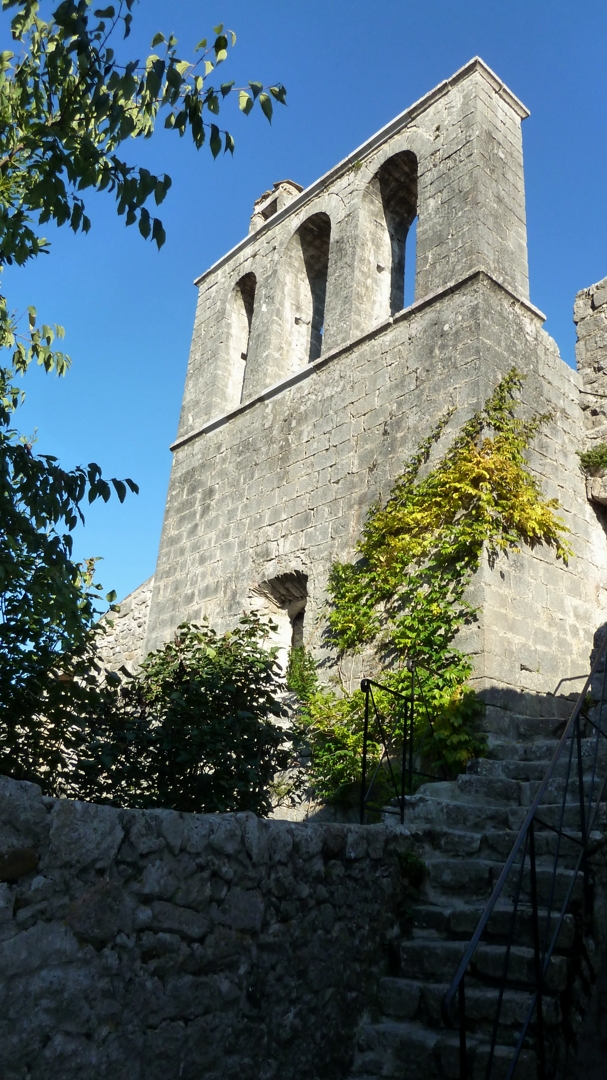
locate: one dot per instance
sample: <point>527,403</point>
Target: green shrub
<point>301,677</point>
<point>594,461</point>
<point>194,731</point>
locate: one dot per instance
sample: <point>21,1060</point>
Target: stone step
<point>496,790</point>
<point>547,844</point>
<point>461,920</point>
<point>461,877</point>
<point>387,1049</point>
<point>533,706</point>
<point>499,791</point>
<point>422,808</point>
<point>464,830</point>
<point>499,749</point>
<point>551,813</point>
<point>489,791</point>
<point>428,959</point>
<point>407,999</point>
<point>508,768</point>
<point>497,843</point>
<point>521,728</point>
<point>475,878</point>
<point>540,752</point>
<point>395,1050</point>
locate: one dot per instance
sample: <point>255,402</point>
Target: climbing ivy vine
<point>403,598</point>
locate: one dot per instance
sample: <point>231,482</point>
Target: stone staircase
<point>464,832</point>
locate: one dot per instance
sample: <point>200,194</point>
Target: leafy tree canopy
<point>69,102</point>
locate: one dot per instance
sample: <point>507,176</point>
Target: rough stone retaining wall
<point>150,944</point>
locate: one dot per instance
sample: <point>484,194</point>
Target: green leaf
<point>229,143</point>
<point>201,45</point>
<point>104,13</point>
<point>145,226</point>
<point>266,106</point>
<point>215,140</point>
<point>158,233</point>
<point>119,488</point>
<point>256,88</point>
<point>279,93</point>
<point>218,29</point>
<point>245,102</point>
<point>157,39</point>
<point>226,87</point>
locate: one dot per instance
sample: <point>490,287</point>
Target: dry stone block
<point>83,835</point>
<point>17,862</point>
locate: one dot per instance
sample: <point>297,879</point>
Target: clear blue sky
<point>349,67</point>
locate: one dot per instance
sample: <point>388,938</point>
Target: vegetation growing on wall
<point>402,598</point>
<point>594,461</point>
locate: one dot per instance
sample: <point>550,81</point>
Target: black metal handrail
<point>409,750</point>
<point>588,799</point>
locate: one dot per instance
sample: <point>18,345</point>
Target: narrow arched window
<point>389,207</point>
<point>306,263</point>
<point>242,302</point>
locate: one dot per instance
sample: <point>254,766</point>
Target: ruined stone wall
<point>590,317</point>
<point>121,640</point>
<point>147,945</point>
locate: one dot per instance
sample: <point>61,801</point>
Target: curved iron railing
<point>578,758</point>
<point>409,752</point>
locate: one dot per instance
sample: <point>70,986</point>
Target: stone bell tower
<point>309,383</point>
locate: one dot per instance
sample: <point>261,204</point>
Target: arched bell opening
<point>241,307</point>
<point>388,209</point>
<point>306,262</point>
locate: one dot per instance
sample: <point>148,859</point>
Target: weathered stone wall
<point>284,483</point>
<point>122,638</point>
<point>143,945</point>
<point>590,317</point>
<point>278,487</point>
